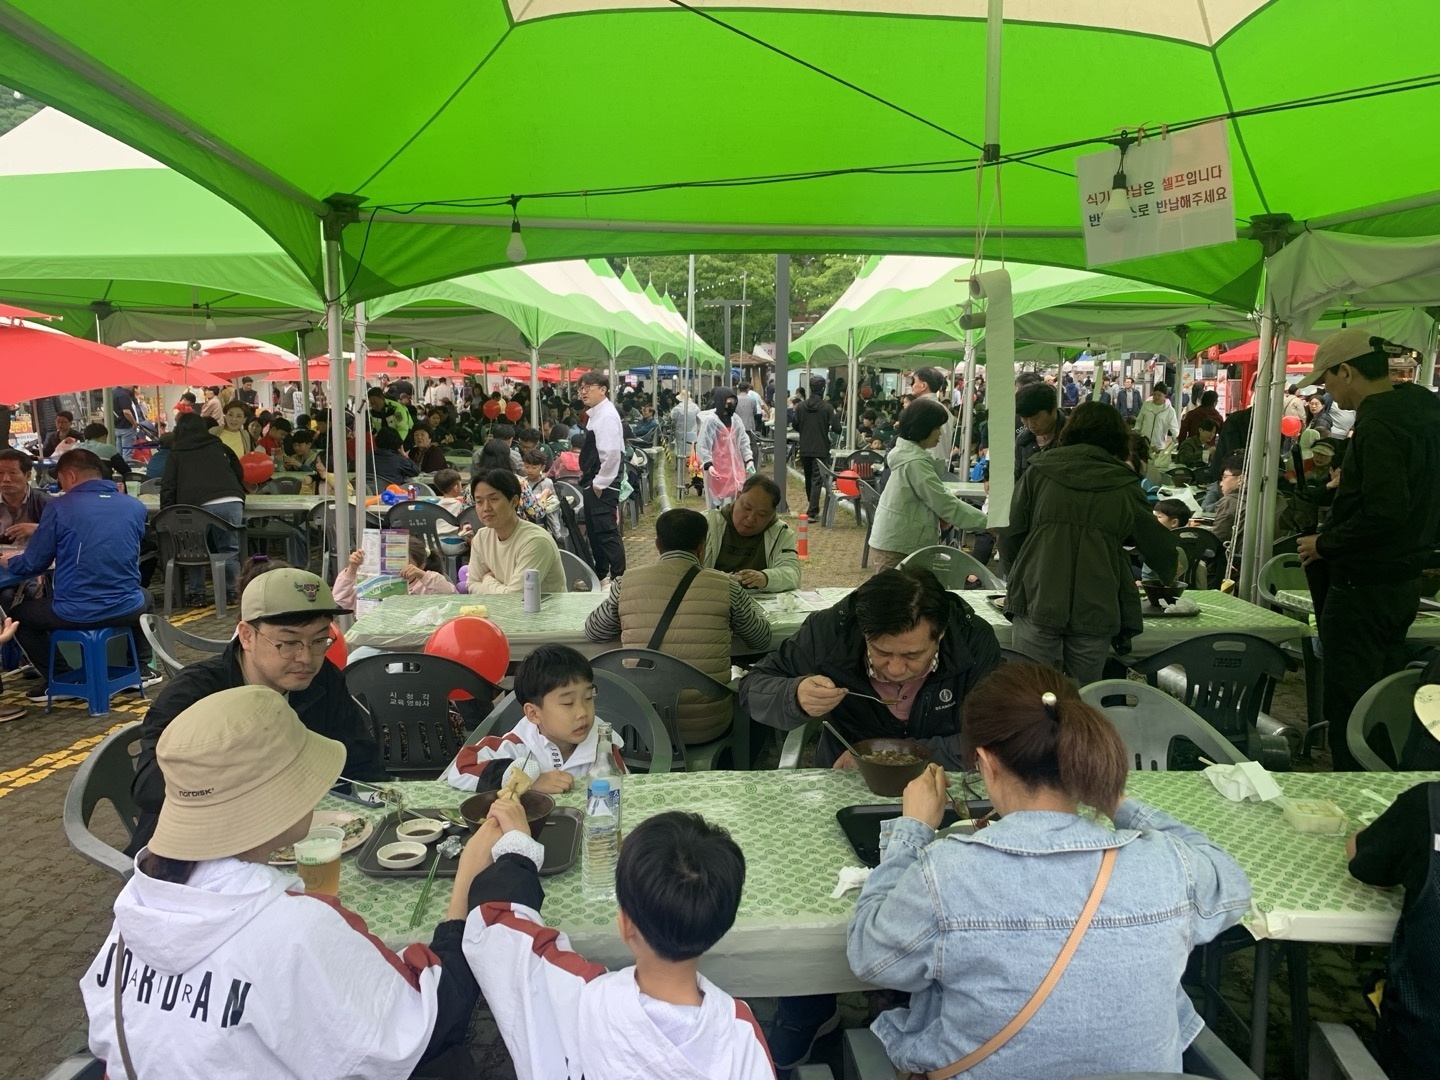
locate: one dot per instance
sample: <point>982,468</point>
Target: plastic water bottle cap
<point>600,787</point>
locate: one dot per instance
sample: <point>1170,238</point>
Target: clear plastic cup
<point>317,859</point>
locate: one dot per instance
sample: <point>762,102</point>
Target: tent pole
<point>852,418</point>
<point>967,403</point>
<point>782,373</point>
<point>1255,455</point>
<point>1274,464</point>
<point>686,366</point>
<point>362,412</point>
<point>534,387</point>
<point>339,467</point>
<point>300,351</point>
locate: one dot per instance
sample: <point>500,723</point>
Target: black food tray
<point>560,839</point>
<point>861,825</point>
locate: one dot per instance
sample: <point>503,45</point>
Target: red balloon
<point>846,483</point>
<point>477,643</point>
<point>491,409</point>
<point>257,466</point>
<point>1290,426</point>
<point>866,391</point>
<point>514,411</point>
<point>338,653</point>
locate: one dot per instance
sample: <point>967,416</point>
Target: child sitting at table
<point>678,885</point>
<point>419,580</point>
<point>554,741</point>
<point>1172,513</point>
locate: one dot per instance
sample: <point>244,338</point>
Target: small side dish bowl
<point>420,830</point>
<point>401,855</point>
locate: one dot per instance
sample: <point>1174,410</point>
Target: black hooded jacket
<point>830,643</point>
<point>201,469</point>
<point>1383,525</point>
<point>814,420</point>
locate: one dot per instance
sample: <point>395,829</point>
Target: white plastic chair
<point>1149,720</point>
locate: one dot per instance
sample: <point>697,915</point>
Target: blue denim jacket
<point>971,924</point>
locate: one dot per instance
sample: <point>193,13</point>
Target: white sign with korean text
<point>1180,192</point>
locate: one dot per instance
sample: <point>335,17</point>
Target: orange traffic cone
<point>802,544</point>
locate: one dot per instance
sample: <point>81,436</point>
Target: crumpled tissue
<point>1246,781</point>
<point>851,877</point>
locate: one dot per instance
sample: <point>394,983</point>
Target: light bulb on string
<point>1116,217</point>
<point>515,249</point>
<point>209,321</point>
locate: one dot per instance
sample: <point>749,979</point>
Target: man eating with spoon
<point>280,642</point>
<point>894,659</point>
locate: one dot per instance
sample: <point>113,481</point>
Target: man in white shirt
<point>1157,420</point>
<point>601,461</point>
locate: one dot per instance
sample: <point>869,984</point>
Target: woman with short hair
<point>914,503</point>
<point>972,924</point>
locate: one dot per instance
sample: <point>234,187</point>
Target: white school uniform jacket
<point>564,1018</point>
<point>233,974</point>
<point>470,764</point>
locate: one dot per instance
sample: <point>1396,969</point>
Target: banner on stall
<point>1179,192</point>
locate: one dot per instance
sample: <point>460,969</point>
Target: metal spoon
<point>872,697</point>
<point>843,742</point>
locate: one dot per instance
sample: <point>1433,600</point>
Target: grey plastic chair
<point>104,776</point>
<point>662,679</point>
<point>1149,720</point>
<point>79,1067</point>
<point>1336,1053</point>
<point>828,492</point>
<point>1283,572</point>
<point>408,698</point>
<point>1228,678</point>
<point>571,494</point>
<point>164,637</point>
<point>953,566</point>
<point>793,748</point>
<point>422,519</point>
<point>1386,708</point>
<point>869,503</point>
<point>184,541</point>
<point>647,743</point>
<point>1207,1057</point>
<point>149,487</point>
<point>580,576</point>
<point>280,485</point>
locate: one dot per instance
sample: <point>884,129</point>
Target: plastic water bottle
<point>603,767</point>
<point>602,842</point>
<point>532,591</point>
<point>413,492</point>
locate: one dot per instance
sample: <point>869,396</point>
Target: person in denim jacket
<point>970,925</point>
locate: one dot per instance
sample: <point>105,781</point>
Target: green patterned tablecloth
<point>1426,626</point>
<point>969,490</point>
<point>402,623</point>
<point>1219,612</point>
<point>258,505</point>
<point>789,937</point>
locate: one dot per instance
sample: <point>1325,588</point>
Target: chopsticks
<point>424,893</point>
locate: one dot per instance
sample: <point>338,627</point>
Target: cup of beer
<point>317,859</point>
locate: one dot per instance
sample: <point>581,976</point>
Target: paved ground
<point>55,907</point>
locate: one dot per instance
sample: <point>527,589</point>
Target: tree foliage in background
<point>816,282</point>
<point>15,108</point>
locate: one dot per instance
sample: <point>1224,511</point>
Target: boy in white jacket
<point>554,741</point>
<point>678,884</point>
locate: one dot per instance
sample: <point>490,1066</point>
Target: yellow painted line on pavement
<point>46,764</point>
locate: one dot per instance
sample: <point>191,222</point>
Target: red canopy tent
<point>10,311</point>
<point>37,363</point>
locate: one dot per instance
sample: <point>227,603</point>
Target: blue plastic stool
<point>97,677</point>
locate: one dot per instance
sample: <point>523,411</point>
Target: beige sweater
<point>530,547</point>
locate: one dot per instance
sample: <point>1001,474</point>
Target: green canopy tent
<point>902,307</point>
<point>122,247</point>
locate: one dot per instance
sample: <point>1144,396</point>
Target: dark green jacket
<point>1074,509</point>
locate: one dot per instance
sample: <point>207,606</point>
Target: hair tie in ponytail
<point>1050,701</point>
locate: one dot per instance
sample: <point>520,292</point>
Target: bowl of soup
<point>887,765</point>
<point>537,806</point>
